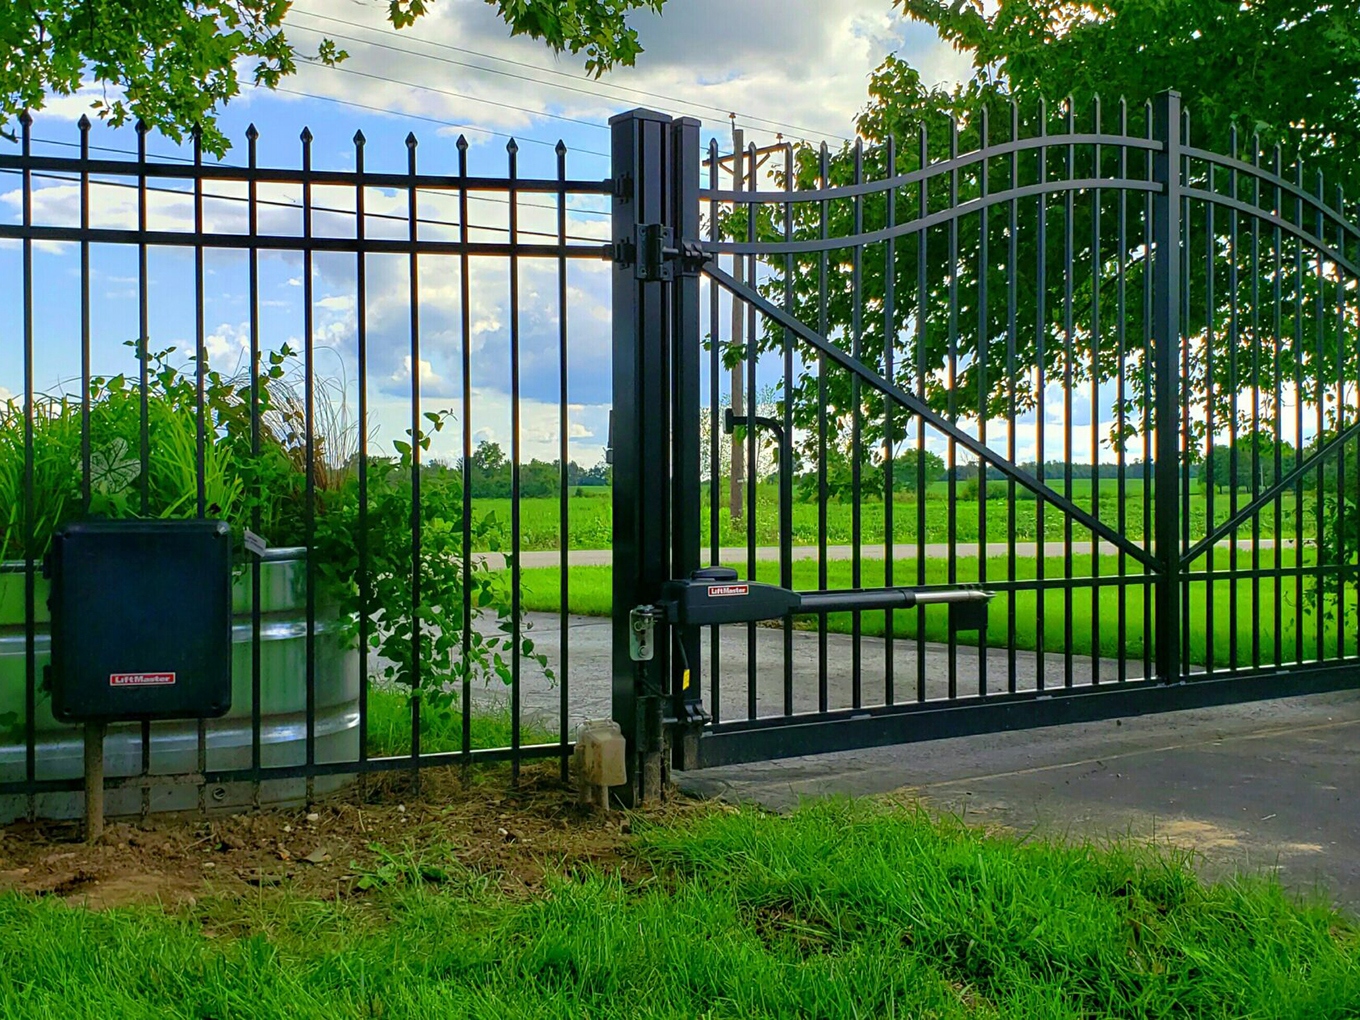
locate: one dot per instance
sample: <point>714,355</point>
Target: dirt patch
<point>341,847</point>
<point>1196,834</point>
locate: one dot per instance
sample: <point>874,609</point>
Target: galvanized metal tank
<point>174,745</point>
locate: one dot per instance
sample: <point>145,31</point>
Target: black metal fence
<point>1062,354</point>
<point>318,423</point>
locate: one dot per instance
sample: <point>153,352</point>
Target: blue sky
<point>794,66</point>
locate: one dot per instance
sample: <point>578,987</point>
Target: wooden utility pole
<point>738,471</point>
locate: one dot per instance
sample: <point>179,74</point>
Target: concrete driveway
<point>1269,786</point>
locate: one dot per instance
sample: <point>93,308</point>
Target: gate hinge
<point>653,243</point>
<point>653,254</point>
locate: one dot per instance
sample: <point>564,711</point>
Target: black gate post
<point>1166,338</point>
<point>686,493</point>
<point>642,438</point>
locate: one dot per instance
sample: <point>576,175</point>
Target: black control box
<point>141,620</point>
<point>713,595</point>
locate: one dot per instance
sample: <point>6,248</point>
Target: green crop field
<point>1095,612</point>
<point>590,517</point>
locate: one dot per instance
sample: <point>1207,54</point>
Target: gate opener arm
<point>714,596</point>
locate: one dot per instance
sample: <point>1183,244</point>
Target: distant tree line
<point>491,478</point>
<point>1249,463</point>
<point>1229,465</point>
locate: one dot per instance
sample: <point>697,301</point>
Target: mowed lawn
<point>441,730</point>
<point>1095,611</point>
<point>837,911</point>
<point>590,521</point>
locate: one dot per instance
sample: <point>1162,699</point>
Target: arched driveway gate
<point>1145,351</point>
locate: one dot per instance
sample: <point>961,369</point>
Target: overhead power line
<point>579,85</point>
<point>574,210</point>
<point>428,120</point>
<point>211,196</point>
<point>597,125</point>
<point>301,94</point>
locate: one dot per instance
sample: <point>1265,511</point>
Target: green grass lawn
<point>590,594</point>
<point>591,527</point>
<point>389,727</point>
<point>837,911</point>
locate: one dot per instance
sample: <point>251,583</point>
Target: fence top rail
<point>1319,204</point>
<point>815,245</point>
<point>76,166</point>
<point>944,166</point>
<point>1334,215</point>
<point>300,242</point>
<point>1285,226</point>
<point>914,226</point>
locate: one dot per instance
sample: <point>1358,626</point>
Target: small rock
<point>313,817</point>
<point>258,876</point>
<point>401,809</point>
<point>502,832</point>
<point>209,864</point>
<point>287,828</point>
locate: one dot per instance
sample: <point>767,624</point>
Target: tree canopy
<point>1286,69</point>
<point>175,63</point>
<point>1254,76</point>
<point>993,310</point>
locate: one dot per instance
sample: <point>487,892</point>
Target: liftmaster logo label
<point>723,590</point>
<point>141,679</point>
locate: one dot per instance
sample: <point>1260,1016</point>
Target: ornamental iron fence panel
<point>1065,355</point>
<point>375,309</point>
